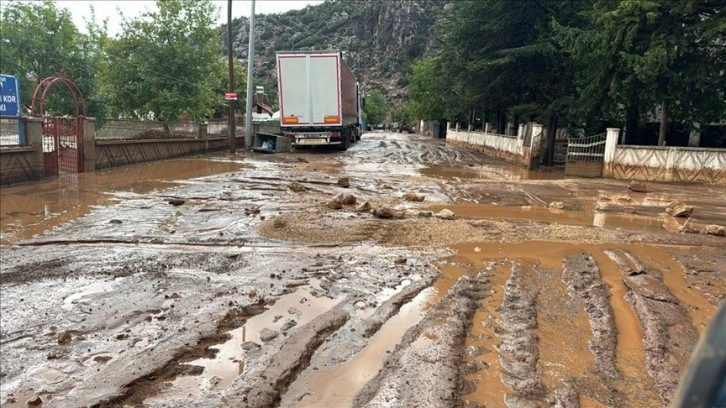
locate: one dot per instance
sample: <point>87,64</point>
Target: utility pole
<point>250,68</point>
<point>232,101</point>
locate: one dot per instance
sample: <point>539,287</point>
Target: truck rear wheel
<point>344,141</point>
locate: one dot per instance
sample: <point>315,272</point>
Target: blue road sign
<point>9,97</point>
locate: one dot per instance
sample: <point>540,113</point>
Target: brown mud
<point>233,283</point>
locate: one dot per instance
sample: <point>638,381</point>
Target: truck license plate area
<point>311,141</point>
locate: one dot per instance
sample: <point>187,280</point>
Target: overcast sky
<point>132,8</point>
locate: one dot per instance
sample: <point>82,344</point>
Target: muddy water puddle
<point>287,313</point>
<point>501,171</point>
<point>30,209</point>
<point>563,337</point>
<point>29,398</point>
<point>337,386</point>
<point>551,215</point>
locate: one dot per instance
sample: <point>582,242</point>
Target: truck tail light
<point>331,119</point>
<point>334,135</point>
<point>290,120</point>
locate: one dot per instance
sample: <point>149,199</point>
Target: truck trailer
<point>320,103</point>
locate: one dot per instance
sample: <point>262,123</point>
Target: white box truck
<point>319,99</point>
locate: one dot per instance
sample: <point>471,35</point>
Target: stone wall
<point>662,163</point>
<point>510,148</point>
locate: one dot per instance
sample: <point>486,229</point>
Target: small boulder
<point>288,325</point>
<point>713,229</point>
<point>365,207</point>
<point>35,402</point>
<point>64,337</point>
<point>426,214</point>
<point>445,214</point>
<point>400,261</point>
<point>344,182</point>
<point>337,202</point>
<point>679,209</point>
<point>176,202</point>
<point>348,199</point>
<point>412,197</point>
<point>250,346</point>
<point>383,212</point>
<point>387,187</point>
<point>557,205</point>
<point>297,187</point>
<point>115,221</point>
<point>267,335</point>
<point>624,198</point>
<point>638,187</point>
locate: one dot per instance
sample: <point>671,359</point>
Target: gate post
<point>89,144</point>
<point>535,147</point>
<point>34,138</point>
<point>611,143</point>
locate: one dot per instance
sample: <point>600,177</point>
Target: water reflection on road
<point>30,209</point>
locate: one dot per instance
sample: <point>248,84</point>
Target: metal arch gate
<point>585,156</point>
<point>62,145</point>
<point>62,135</point>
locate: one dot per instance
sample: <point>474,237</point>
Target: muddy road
<point>404,272</point>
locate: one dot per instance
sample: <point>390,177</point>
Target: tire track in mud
<point>586,288</point>
<point>263,388</point>
<point>518,351</point>
<point>425,369</point>
<point>575,340</point>
<point>668,332</point>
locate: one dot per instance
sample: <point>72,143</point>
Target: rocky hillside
<point>379,38</point>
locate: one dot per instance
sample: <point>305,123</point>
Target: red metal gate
<point>63,145</point>
<point>62,135</point>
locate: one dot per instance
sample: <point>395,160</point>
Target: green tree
<point>167,62</point>
<point>376,107</point>
<point>404,115</point>
<point>501,58</point>
<point>220,106</point>
<point>650,56</point>
<point>425,90</point>
<point>38,40</point>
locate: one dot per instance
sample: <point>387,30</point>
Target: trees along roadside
<point>580,64</point>
<point>376,107</point>
<point>639,58</point>
<point>166,62</point>
<point>40,41</point>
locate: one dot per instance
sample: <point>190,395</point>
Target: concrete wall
<point>510,148</point>
<point>662,163</point>
<point>123,152</point>
<point>24,163</point>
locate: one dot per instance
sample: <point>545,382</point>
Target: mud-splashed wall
<point>660,163</point>
<point>518,149</point>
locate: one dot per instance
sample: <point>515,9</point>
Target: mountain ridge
<point>379,39</point>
